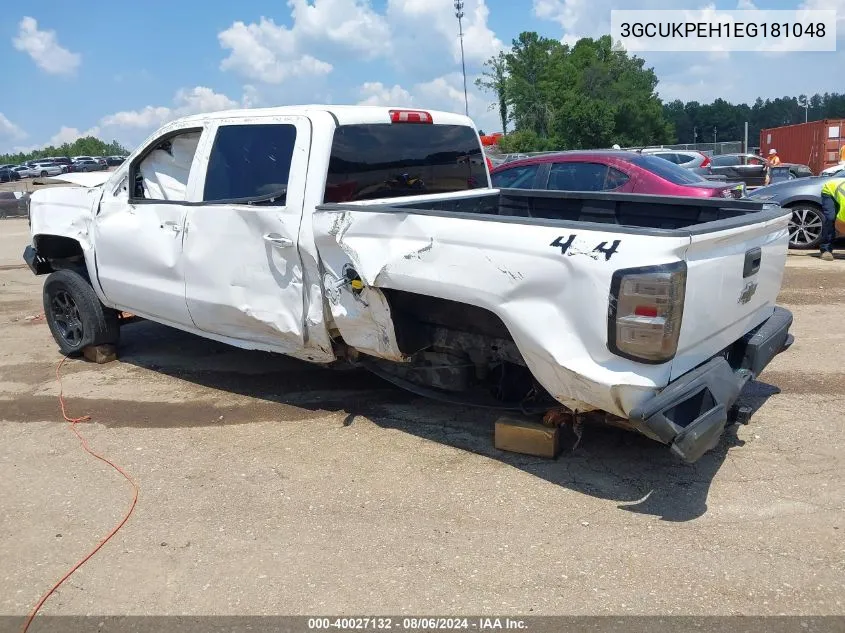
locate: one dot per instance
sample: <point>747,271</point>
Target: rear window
<point>392,160</point>
<point>668,171</point>
<point>725,161</point>
<point>522,177</point>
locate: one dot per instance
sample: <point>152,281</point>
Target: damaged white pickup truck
<point>372,235</point>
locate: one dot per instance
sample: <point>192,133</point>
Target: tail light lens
<point>706,162</point>
<point>645,312</point>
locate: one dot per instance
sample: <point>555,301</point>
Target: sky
<point>120,70</point>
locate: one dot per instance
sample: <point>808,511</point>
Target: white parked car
<point>831,171</point>
<point>358,233</point>
<point>46,169</point>
<point>25,172</point>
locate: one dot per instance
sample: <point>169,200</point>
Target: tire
<point>805,226</point>
<point>74,314</point>
<point>43,174</point>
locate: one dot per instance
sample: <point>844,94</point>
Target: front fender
<point>64,212</point>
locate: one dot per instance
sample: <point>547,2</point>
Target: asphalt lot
<point>269,486</point>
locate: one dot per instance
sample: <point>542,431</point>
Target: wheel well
<point>57,247</point>
<point>60,253</point>
<point>415,315</point>
<point>457,348</point>
<point>804,203</point>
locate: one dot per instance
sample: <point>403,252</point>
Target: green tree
<point>494,79</point>
<point>86,146</point>
<point>528,87</point>
<point>584,96</point>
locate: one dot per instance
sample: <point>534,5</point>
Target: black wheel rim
<point>66,318</point>
<point>805,227</point>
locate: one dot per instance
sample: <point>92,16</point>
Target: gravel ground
<point>273,487</point>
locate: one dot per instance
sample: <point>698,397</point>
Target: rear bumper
<point>691,413</point>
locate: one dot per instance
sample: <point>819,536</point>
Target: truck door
<point>243,272</point>
<point>139,229</point>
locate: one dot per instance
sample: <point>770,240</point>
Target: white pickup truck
<point>372,235</point>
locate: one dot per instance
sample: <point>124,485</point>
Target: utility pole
<point>714,138</point>
<point>806,105</point>
<point>745,142</point>
<point>695,134</point>
<point>459,13</point>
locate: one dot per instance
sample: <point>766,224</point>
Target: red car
<point>609,170</point>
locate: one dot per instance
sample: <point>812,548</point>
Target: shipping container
<point>815,144</point>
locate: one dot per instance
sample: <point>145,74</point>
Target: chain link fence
<point>711,149</point>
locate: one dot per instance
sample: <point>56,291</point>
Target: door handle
<point>753,259</point>
<point>277,240</point>
<point>173,226</point>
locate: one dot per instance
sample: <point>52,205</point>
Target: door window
<point>161,173</point>
<point>586,177</point>
<point>725,161</point>
<point>250,163</point>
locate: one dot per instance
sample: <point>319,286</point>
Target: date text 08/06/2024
<point>416,624</point>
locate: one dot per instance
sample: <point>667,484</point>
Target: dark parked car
<point>62,161</point>
<point>609,170</point>
<point>13,204</point>
<point>88,164</point>
<point>804,197</point>
<point>113,161</point>
<point>8,175</point>
<point>750,168</point>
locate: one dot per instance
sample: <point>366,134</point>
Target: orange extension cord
<point>73,422</point>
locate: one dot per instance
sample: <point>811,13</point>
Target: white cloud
<point>187,101</point>
<point>271,53</point>
<point>410,34</point>
<point>70,134</point>
<point>427,27</point>
<point>10,131</point>
<point>266,52</point>
<point>745,5</point>
<point>591,18</point>
<point>375,93</point>
<point>146,117</point>
<point>836,5</point>
<point>350,24</point>
<point>443,93</point>
<point>44,49</point>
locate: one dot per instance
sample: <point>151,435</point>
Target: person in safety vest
<point>833,208</point>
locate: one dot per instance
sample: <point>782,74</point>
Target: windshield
<point>392,160</point>
<point>668,171</point>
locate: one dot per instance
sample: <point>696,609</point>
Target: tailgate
<point>733,280</point>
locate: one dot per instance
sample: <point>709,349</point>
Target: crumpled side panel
<point>65,212</point>
<point>549,285</point>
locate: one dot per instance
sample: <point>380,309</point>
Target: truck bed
<point>629,213</point>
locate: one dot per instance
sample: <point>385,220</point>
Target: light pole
<point>806,105</point>
<point>459,13</point>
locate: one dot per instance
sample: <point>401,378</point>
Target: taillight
<point>644,316</point>
<point>410,116</point>
<point>706,162</point>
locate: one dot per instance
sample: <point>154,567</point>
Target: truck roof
<point>344,114</point>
